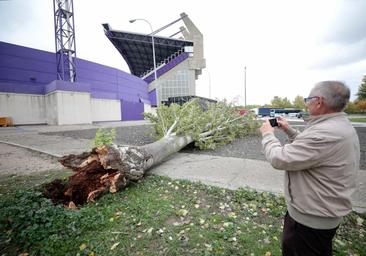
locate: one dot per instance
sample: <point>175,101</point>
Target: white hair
<point>335,93</point>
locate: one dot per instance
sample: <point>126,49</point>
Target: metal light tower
<point>65,39</point>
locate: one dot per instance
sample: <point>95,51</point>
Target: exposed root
<point>104,169</point>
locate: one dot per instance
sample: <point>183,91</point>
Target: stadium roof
<point>136,49</point>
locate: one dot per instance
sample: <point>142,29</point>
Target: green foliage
<point>358,119</point>
<point>362,90</point>
<point>104,137</point>
<point>361,106</point>
<point>351,108</point>
<point>298,102</point>
<point>278,102</point>
<point>267,106</point>
<point>31,223</point>
<point>251,106</point>
<point>210,125</point>
<point>157,215</point>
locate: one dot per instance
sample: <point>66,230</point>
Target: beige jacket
<point>321,164</point>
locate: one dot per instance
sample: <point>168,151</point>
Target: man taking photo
<point>320,167</point>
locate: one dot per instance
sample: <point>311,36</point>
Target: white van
<point>292,114</point>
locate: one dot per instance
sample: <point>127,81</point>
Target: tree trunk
<point>109,168</point>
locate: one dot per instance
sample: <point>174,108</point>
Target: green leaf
<point>104,137</point>
<point>210,124</point>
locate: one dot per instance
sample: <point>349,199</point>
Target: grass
<point>157,216</point>
<point>358,119</point>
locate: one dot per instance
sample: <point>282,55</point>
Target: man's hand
<point>266,128</point>
<point>282,123</point>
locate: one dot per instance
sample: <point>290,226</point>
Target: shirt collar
<point>320,118</point>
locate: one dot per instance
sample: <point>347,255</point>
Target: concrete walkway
<point>226,172</point>
<point>31,137</point>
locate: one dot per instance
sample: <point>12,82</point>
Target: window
<point>176,86</point>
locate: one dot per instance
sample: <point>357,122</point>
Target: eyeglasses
<point>309,98</point>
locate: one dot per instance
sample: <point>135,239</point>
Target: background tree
<point>267,106</point>
<point>278,102</point>
<point>361,106</point>
<point>351,108</point>
<point>299,102</point>
<point>253,106</point>
<point>361,94</point>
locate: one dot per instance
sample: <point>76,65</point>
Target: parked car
<point>302,114</point>
<point>293,114</point>
<point>243,112</point>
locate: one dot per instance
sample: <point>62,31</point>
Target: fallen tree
<point>112,167</point>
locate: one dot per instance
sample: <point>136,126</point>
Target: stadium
<point>57,88</point>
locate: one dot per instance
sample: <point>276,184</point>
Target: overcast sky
<point>286,45</point>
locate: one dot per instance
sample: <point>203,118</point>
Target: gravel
<point>249,148</point>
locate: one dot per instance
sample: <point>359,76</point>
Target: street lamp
<point>152,40</point>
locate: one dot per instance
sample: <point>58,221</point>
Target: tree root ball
<point>104,169</point>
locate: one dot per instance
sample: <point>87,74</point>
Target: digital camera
<point>273,122</point>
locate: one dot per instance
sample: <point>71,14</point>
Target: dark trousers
<point>299,240</point>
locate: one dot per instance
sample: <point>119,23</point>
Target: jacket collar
<point>320,118</point>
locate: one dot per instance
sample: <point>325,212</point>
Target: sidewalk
<point>31,137</point>
<point>226,172</point>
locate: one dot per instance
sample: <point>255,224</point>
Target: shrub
<point>104,137</point>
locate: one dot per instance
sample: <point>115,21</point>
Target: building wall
<point>68,108</point>
<point>110,83</point>
<point>25,70</point>
<point>178,81</point>
<point>23,108</point>
<point>176,78</point>
<point>28,73</point>
<point>132,110</point>
<point>105,110</point>
<point>55,108</point>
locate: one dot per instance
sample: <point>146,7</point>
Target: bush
<point>351,108</point>
<point>104,137</point>
<point>361,106</point>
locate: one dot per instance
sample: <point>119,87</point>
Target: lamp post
<point>152,40</point>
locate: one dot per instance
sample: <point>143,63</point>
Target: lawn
<point>358,119</point>
<point>157,216</point>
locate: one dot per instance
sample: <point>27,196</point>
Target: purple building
<point>31,94</point>
<point>28,83</point>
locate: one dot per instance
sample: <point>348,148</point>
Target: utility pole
<point>245,86</point>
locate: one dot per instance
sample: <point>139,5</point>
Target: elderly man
<point>320,166</point>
